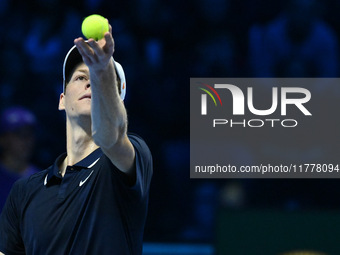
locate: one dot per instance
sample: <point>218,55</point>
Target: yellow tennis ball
<point>94,26</point>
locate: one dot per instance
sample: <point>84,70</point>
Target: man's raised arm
<point>109,118</point>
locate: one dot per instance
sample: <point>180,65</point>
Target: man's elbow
<point>107,139</point>
<point>104,141</point>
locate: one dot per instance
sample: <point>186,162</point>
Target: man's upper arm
<point>10,237</point>
<point>141,168</point>
<point>122,155</point>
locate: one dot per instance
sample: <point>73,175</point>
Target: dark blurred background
<point>161,44</point>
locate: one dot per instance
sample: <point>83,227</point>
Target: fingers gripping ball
<point>94,26</point>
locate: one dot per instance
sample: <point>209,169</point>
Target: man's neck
<point>79,144</point>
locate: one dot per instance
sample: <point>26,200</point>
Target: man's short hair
<point>73,59</point>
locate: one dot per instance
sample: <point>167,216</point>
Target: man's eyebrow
<point>82,71</point>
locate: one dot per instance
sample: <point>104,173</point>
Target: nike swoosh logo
<point>82,182</point>
<point>45,181</point>
<point>93,163</point>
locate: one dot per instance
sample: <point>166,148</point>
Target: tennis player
<point>93,199</point>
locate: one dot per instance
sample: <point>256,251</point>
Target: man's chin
<point>82,115</point>
<point>85,114</point>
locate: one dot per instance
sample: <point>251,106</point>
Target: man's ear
<point>61,102</point>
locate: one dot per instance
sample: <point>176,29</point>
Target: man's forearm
<point>109,118</point>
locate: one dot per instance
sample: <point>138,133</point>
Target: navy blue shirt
<point>91,210</point>
<point>8,178</point>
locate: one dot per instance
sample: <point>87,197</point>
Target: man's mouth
<point>88,95</point>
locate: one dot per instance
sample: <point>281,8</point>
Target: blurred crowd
<point>161,44</point>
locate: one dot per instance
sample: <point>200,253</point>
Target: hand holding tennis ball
<point>94,26</point>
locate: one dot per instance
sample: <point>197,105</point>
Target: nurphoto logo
<point>295,96</point>
<point>264,127</point>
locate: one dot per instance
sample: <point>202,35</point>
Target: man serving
<point>93,199</point>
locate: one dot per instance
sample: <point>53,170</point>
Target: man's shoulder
<point>137,141</point>
<point>38,175</point>
<point>134,136</point>
<point>32,179</point>
<point>140,146</point>
<point>143,153</point>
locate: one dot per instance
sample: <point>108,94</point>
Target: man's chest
<point>57,211</point>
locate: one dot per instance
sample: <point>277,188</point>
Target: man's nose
<point>88,85</point>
